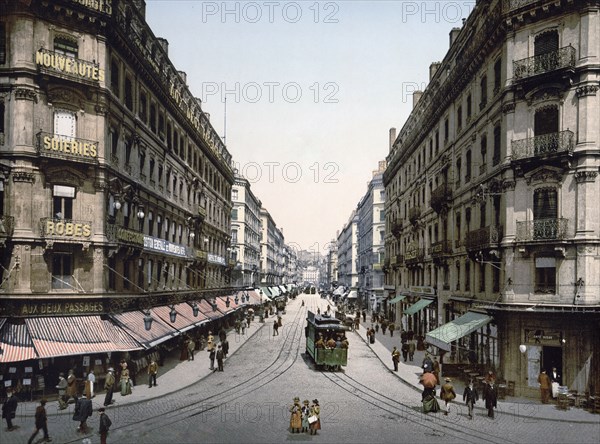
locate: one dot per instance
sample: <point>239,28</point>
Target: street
<point>249,402</point>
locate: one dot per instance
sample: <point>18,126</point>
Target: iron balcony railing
<point>415,255</point>
<point>485,237</point>
<point>440,196</point>
<point>61,147</point>
<point>7,226</point>
<point>543,63</point>
<point>413,214</point>
<point>561,142</point>
<point>441,248</point>
<point>396,227</point>
<point>542,229</point>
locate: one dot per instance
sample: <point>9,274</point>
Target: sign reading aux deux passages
<point>60,308</point>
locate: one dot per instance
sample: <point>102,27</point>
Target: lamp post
<point>173,314</point>
<point>195,309</point>
<point>148,320</point>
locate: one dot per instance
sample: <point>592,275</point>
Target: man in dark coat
<point>41,422</point>
<point>222,334</point>
<point>220,358</point>
<point>83,410</point>
<point>212,356</point>
<point>405,351</point>
<point>225,345</point>
<point>470,396</point>
<point>395,358</point>
<point>427,364</point>
<point>105,424</point>
<point>9,409</point>
<point>109,386</point>
<point>491,397</point>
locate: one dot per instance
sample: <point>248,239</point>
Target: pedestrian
<point>364,316</point>
<point>318,311</point>
<point>279,321</point>
<point>384,326</point>
<point>427,364</point>
<point>490,395</point>
<point>71,386</point>
<point>305,415</point>
<point>320,342</point>
<point>243,328</point>
<point>545,385</point>
<point>109,386</point>
<point>356,322</point>
<point>225,345</point>
<point>412,346</point>
<point>62,391</point>
<point>470,396</point>
<point>222,334</point>
<point>41,422</point>
<point>436,369</point>
<point>296,416</point>
<point>212,355</point>
<point>556,381</point>
<point>392,327</point>
<point>83,410</point>
<point>377,328</point>
<point>275,328</point>
<point>330,343</point>
<point>405,351</point>
<point>89,385</point>
<point>9,409</point>
<point>210,341</point>
<point>125,381</point>
<point>191,345</point>
<point>315,417</point>
<point>490,377</point>
<point>395,358</point>
<point>105,424</point>
<point>152,373</point>
<point>345,343</point>
<point>447,394</point>
<point>372,336</point>
<point>220,358</point>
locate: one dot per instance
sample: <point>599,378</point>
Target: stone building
<point>371,239</point>
<point>245,233</point>
<point>115,188</point>
<point>347,252</point>
<point>491,193</point>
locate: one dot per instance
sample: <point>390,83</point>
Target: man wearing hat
<point>220,357</point>
<point>296,417</point>
<point>62,391</point>
<point>105,424</point>
<point>9,409</point>
<point>447,394</point>
<point>41,422</point>
<point>109,386</point>
<point>305,415</point>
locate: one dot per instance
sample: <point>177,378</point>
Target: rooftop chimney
<point>392,137</point>
<point>433,69</point>
<point>164,44</point>
<point>416,97</point>
<point>453,34</point>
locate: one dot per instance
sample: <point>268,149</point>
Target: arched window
<point>65,45</point>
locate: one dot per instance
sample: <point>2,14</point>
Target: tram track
<point>183,411</point>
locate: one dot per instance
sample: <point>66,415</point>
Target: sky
<point>304,93</point>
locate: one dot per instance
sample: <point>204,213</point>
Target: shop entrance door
<point>552,357</point>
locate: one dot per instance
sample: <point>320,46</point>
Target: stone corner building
<point>492,188</point>
<point>114,187</point>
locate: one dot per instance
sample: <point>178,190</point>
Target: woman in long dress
<point>296,417</point>
<point>305,415</point>
<point>315,410</point>
<point>125,382</point>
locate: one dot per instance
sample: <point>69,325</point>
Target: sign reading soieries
<point>61,308</point>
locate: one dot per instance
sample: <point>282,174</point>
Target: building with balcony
<point>491,187</point>
<point>371,242</point>
<point>115,188</point>
<point>331,277</point>
<point>272,242</point>
<point>245,234</point>
<point>347,252</point>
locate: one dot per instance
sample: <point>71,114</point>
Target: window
<point>467,276</point>
<point>160,174</point>
<point>497,139</point>
<point>169,144</point>
<point>234,194</point>
<point>446,130</point>
<point>545,43</point>
<point>468,166</point>
<point>128,146</point>
<point>457,276</point>
<point>158,226</point>
<point>65,124</point>
<point>234,214</point>
<point>126,275</point>
<point>497,75</point>
<point>545,275</point>
<point>458,172</point>
<point>2,118</point>
<point>126,214</point>
<point>143,107</point>
<point>140,282</point>
<point>152,165</point>
<point>112,276</point>
<point>65,45</point>
<point>150,223</point>
<point>62,202</point>
<point>483,149</point>
<point>482,211</point>
<point>128,94</point>
<point>142,162</point>
<point>167,227</point>
<point>458,233</point>
<point>469,107</point>
<point>114,141</point>
<point>481,278</point>
<point>153,118</point>
<point>459,118</point>
<point>2,43</point>
<point>114,78</point>
<point>161,126</point>
<point>483,90</point>
<point>545,204</point>
<point>437,142</point>
<point>62,271</point>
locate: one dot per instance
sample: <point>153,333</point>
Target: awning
<point>133,323</point>
<point>77,335</point>
<point>469,322</point>
<point>282,289</point>
<point>255,297</point>
<point>353,295</point>
<point>266,292</point>
<point>417,306</point>
<point>339,291</point>
<point>274,291</point>
<point>398,298</point>
<point>208,310</point>
<point>15,342</point>
<point>222,304</point>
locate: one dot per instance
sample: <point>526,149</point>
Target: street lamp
<point>173,314</point>
<point>147,320</point>
<point>195,309</point>
<point>227,302</point>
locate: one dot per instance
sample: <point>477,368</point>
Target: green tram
<point>328,327</point>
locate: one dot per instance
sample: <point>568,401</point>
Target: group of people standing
<point>305,418</point>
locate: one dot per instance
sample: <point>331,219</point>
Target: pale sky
<point>312,89</point>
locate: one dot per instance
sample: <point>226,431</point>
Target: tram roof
<point>324,321</point>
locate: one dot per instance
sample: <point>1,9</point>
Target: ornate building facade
<point>491,188</point>
<point>347,252</point>
<point>115,186</point>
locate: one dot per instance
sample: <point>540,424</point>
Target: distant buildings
<point>347,252</point>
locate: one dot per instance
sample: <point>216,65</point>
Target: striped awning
<point>255,297</point>
<point>15,342</point>
<point>222,304</point>
<point>133,323</point>
<point>184,320</point>
<point>77,335</point>
<point>275,291</point>
<point>208,311</point>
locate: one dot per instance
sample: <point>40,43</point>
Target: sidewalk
<point>409,374</point>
